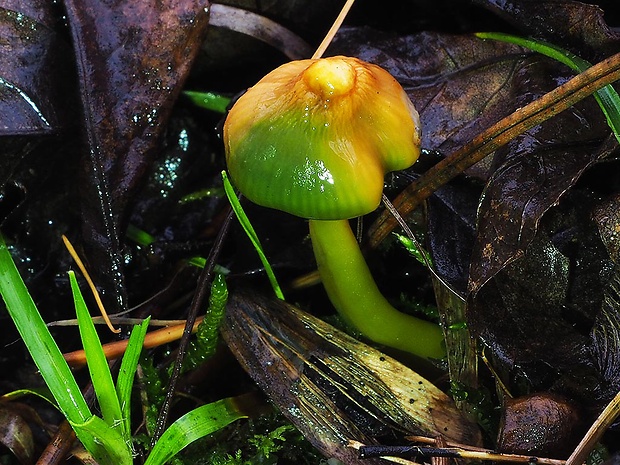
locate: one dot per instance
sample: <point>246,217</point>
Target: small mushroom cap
<point>315,138</point>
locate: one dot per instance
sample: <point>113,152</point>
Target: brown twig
<point>397,453</point>
<point>202,293</point>
<point>58,448</point>
<point>536,112</point>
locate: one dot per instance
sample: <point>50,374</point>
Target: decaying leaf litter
<point>528,237</point>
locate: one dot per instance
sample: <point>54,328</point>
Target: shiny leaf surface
<point>132,59</point>
<point>31,49</point>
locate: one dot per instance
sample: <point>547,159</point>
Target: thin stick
<point>433,441</point>
<point>604,420</point>
<point>119,320</point>
<point>498,135</point>
<point>414,452</point>
<point>116,349</point>
<point>332,31</point>
<point>201,294</point>
<point>59,447</point>
<point>409,233</point>
<point>93,289</point>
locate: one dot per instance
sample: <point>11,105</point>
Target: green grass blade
<point>202,194</point>
<point>42,393</point>
<point>39,341</point>
<point>208,100</point>
<point>105,444</point>
<point>249,230</point>
<point>126,374</point>
<point>97,363</point>
<point>571,60</point>
<point>192,426</point>
<point>415,249</point>
<point>607,97</point>
<point>139,236</point>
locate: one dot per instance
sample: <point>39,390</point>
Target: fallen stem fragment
<point>59,447</point>
<point>201,294</point>
<point>420,452</point>
<point>116,349</point>
<point>498,135</point>
<point>98,320</point>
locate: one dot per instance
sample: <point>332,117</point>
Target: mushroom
<point>315,138</point>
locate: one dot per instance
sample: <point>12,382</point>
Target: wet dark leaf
<point>35,76</point>
<point>34,70</point>
<point>520,313</point>
<point>451,214</point>
<point>537,313</point>
<point>515,199</point>
<point>566,23</point>
<point>545,425</point>
<point>607,218</point>
<point>132,59</point>
<point>533,172</point>
<point>605,337</point>
<point>459,84</point>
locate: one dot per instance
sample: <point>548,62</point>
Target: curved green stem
<point>353,291</point>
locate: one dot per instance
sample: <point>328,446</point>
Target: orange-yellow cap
<point>315,138</point>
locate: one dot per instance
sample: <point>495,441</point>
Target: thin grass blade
<point>41,392</point>
<point>209,100</point>
<point>104,443</point>
<point>607,97</point>
<point>192,426</point>
<point>251,233</point>
<point>42,347</point>
<point>97,363</point>
<point>126,374</point>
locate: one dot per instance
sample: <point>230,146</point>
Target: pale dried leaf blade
<point>333,387</point>
<point>16,435</point>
